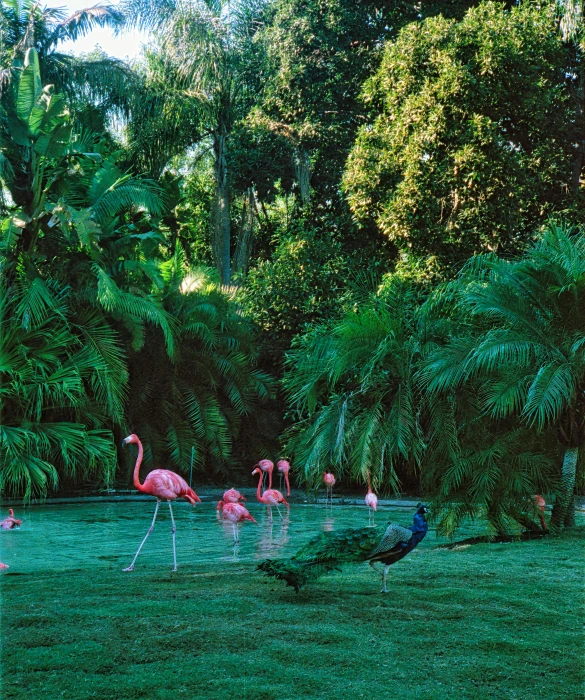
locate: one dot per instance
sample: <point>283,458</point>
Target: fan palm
<point>521,343</point>
<point>352,385</point>
<point>62,389</point>
<point>202,399</point>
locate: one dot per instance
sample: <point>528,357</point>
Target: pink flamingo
<point>540,504</point>
<point>284,467</point>
<point>163,485</point>
<point>329,480</point>
<point>267,466</point>
<point>236,513</point>
<point>10,522</point>
<point>3,566</point>
<point>230,496</point>
<point>371,501</point>
<point>270,497</point>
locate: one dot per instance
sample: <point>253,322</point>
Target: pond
<point>89,535</point>
<point>73,536</point>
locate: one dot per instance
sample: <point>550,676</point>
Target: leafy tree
<point>572,26</point>
<point>318,56</point>
<point>471,141</point>
<point>302,283</point>
<point>518,343</point>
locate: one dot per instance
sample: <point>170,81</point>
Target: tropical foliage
<point>352,385</point>
<point>391,197</point>
<point>201,399</point>
<point>519,343</point>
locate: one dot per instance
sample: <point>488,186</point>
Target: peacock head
<point>421,509</point>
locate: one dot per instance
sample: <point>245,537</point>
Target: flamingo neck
<point>136,477</point>
<point>259,490</point>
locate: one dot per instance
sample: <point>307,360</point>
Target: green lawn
<point>484,621</point>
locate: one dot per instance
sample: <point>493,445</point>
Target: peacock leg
<point>384,589</point>
<point>150,529</point>
<point>174,532</point>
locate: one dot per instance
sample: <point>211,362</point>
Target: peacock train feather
<point>329,550</point>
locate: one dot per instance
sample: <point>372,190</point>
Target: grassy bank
<point>485,621</point>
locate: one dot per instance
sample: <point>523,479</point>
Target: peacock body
<point>329,550</point>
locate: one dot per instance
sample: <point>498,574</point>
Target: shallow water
<point>81,536</point>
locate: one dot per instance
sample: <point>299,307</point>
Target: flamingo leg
<point>150,529</point>
<point>279,513</point>
<point>384,589</point>
<point>174,534</point>
<point>236,537</point>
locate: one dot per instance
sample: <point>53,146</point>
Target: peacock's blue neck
<point>419,529</point>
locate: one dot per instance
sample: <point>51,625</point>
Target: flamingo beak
<point>243,498</point>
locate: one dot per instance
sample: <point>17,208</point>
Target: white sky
<point>126,45</point>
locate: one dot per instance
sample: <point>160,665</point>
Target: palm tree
<point>26,24</point>
<point>210,388</point>
<point>352,386</point>
<point>519,340</point>
<point>62,389</point>
<point>198,84</point>
<point>70,202</point>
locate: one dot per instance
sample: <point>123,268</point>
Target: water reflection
<point>328,523</point>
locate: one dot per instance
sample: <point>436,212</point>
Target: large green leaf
<point>29,86</point>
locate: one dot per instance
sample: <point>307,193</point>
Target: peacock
<point>329,550</point>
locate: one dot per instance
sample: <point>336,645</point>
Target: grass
<point>486,621</point>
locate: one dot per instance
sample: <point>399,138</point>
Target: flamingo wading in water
<point>270,497</point>
<point>163,485</point>
<point>284,467</point>
<point>10,522</point>
<point>329,480</point>
<point>266,466</point>
<point>230,496</point>
<point>235,513</point>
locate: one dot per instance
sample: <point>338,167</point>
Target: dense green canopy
<point>349,234</point>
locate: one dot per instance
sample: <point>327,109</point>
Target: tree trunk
<point>566,490</point>
<point>302,166</point>
<point>244,245</point>
<point>579,156</point>
<point>220,236</point>
<point>570,515</point>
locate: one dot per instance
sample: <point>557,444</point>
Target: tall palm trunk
<point>244,245</point>
<point>302,166</point>
<point>220,237</point>
<point>579,154</point>
<point>560,514</point>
